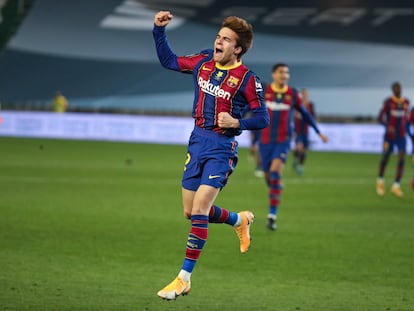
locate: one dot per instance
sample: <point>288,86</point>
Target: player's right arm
<point>410,124</point>
<point>383,117</point>
<point>167,57</point>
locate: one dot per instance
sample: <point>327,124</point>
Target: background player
<point>302,133</point>
<point>281,101</point>
<point>394,117</point>
<point>224,89</point>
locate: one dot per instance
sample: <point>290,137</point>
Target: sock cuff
<point>274,175</point>
<point>199,217</point>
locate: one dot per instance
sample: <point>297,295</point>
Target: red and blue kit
<point>394,116</point>
<point>212,151</point>
<point>281,105</point>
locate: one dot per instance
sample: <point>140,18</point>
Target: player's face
<point>305,95</point>
<point>396,89</point>
<point>225,47</point>
<point>281,76</point>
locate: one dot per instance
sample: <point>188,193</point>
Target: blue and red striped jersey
<point>281,105</point>
<point>394,115</point>
<point>221,89</point>
<point>232,89</point>
<point>301,126</point>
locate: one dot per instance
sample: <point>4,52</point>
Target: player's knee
<point>187,214</point>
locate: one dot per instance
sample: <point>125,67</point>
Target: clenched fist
<point>225,120</point>
<point>162,18</point>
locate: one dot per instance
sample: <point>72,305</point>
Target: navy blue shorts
<point>211,158</point>
<point>302,138</point>
<point>269,152</point>
<point>391,144</point>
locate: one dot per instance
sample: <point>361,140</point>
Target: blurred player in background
<point>394,117</point>
<point>59,102</point>
<point>411,133</point>
<point>224,88</point>
<point>302,133</point>
<point>281,101</point>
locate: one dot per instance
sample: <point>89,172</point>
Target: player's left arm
<point>308,118</point>
<point>410,124</point>
<point>255,99</point>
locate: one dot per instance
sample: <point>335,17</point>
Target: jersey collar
<point>279,90</point>
<point>218,66</point>
<point>398,99</point>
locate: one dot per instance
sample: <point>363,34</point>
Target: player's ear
<point>237,50</point>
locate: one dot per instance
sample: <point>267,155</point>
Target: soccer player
<point>302,133</point>
<point>281,101</point>
<point>394,117</point>
<point>224,89</point>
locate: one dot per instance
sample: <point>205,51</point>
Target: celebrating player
<point>394,116</point>
<point>224,88</point>
<point>281,101</point>
<point>302,133</point>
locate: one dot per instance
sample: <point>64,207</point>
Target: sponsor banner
<point>365,138</point>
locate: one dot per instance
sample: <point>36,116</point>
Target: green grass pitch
<point>99,226</point>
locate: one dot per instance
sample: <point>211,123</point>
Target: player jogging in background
<point>394,117</point>
<point>224,89</point>
<point>281,101</point>
<point>302,133</point>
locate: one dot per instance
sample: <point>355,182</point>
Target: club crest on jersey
<point>288,97</point>
<point>233,81</point>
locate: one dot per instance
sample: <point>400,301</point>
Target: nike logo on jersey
<point>206,68</point>
<point>213,176</point>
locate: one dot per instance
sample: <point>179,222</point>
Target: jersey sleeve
<point>410,124</point>
<point>312,110</point>
<point>307,117</point>
<point>254,97</point>
<point>382,117</point>
<point>189,62</point>
<point>298,99</point>
<point>169,59</point>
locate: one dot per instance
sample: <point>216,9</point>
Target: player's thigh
<point>188,199</point>
<point>204,199</point>
<point>277,165</point>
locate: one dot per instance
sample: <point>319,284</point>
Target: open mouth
<point>218,51</point>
